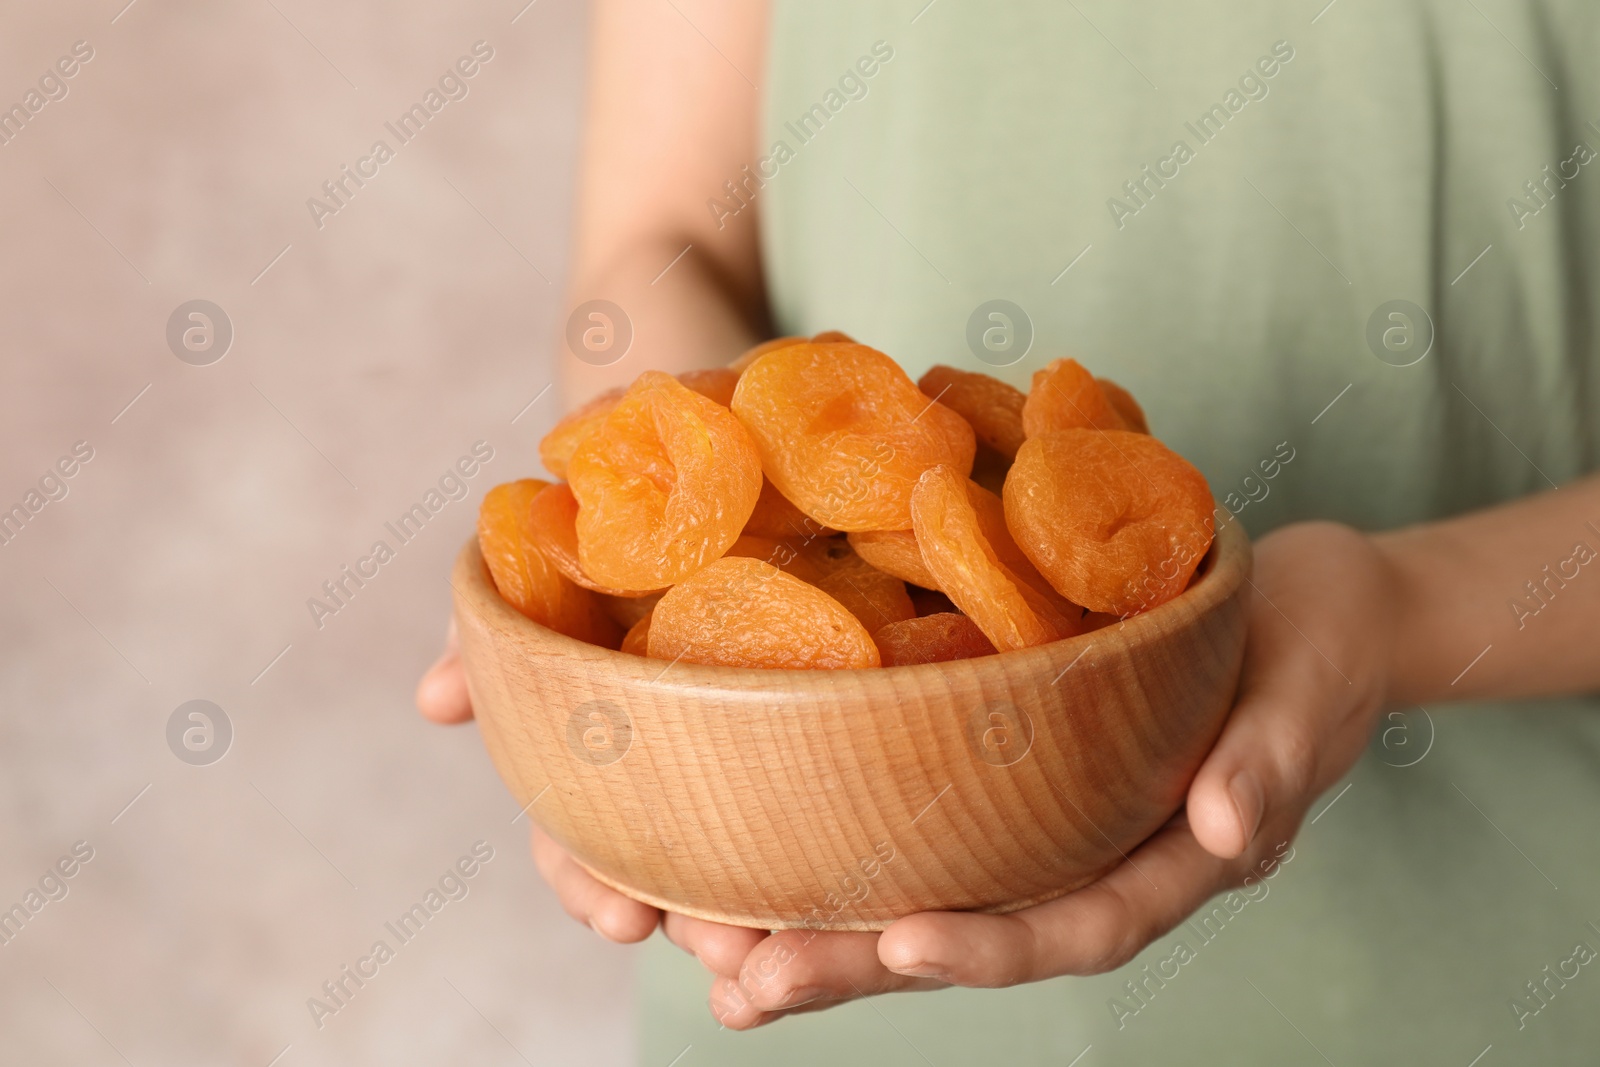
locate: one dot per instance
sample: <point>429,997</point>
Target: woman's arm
<point>1518,585</point>
<point>1340,625</point>
<point>672,113</point>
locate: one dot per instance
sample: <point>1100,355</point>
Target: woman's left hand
<point>1315,674</point>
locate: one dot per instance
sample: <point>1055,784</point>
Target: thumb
<point>442,693</point>
<point>1264,763</point>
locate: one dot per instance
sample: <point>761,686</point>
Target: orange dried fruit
<point>991,514</point>
<point>1066,618</point>
<point>715,384</point>
<point>1125,405</point>
<point>968,570</point>
<point>990,406</point>
<point>872,596</point>
<point>1115,520</point>
<point>663,486</point>
<point>781,554</point>
<point>756,352</point>
<point>1065,396</point>
<point>829,337</point>
<point>557,446</point>
<point>930,639</point>
<point>894,552</point>
<point>844,433</point>
<point>636,642</point>
<point>742,612</point>
<point>526,579</point>
<point>553,516</point>
<point>776,516</point>
<point>898,553</point>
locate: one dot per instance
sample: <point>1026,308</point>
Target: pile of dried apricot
<point>811,507</point>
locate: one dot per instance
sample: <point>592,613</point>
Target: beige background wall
<point>365,361</point>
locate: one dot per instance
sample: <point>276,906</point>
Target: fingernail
<point>1245,789</point>
<point>923,970</point>
<point>803,996</point>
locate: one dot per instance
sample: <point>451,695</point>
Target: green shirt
<point>1219,206</point>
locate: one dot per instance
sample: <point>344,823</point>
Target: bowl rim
<point>1223,569</point>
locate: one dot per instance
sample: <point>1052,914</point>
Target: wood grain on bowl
<point>846,799</point>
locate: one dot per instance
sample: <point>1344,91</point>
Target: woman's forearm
<point>670,117</point>
<point>1501,603</point>
<point>690,318</point>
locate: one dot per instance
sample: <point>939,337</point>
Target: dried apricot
<point>993,408</point>
<point>553,516</point>
<point>636,642</point>
<point>715,384</point>
<point>898,553</point>
<point>557,446</point>
<point>663,486</point>
<point>1062,616</point>
<point>1115,520</point>
<point>844,433</point>
<point>1125,405</point>
<point>741,612</point>
<point>1066,617</point>
<point>781,554</point>
<point>776,516</point>
<point>873,596</point>
<point>929,639</point>
<point>966,567</point>
<point>1067,397</point>
<point>991,513</point>
<point>752,354</point>
<point>526,579</point>
<point>894,552</point>
<point>830,337</point>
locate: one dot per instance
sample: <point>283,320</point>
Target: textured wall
<point>413,322</point>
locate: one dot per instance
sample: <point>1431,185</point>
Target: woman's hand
<point>1315,675</point>
<point>1339,623</point>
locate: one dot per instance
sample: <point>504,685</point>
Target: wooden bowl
<point>844,800</point>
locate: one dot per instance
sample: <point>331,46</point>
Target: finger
<point>765,1017</point>
<point>795,968</point>
<point>1286,728</point>
<point>606,911</point>
<point>1291,730</point>
<point>1090,931</point>
<point>720,947</point>
<point>442,693</point>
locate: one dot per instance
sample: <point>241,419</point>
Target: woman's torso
<point>1336,162</point>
